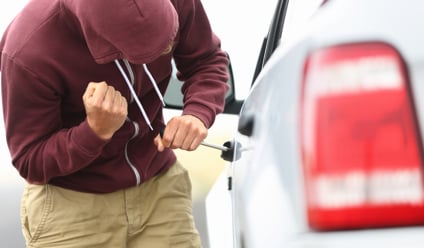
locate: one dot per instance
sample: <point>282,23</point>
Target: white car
<point>329,152</point>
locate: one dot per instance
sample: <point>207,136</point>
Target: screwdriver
<point>203,143</point>
<point>222,148</point>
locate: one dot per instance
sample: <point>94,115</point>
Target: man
<point>82,86</point>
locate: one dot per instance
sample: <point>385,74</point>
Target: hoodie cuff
<point>87,140</point>
<point>201,112</point>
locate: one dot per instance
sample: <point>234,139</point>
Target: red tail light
<point>360,144</point>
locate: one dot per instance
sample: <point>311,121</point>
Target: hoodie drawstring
<point>132,77</point>
<point>130,85</point>
<point>155,85</point>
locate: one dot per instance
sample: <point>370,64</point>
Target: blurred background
<point>241,33</point>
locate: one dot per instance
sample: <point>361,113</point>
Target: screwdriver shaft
<point>222,148</point>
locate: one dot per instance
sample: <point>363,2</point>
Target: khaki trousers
<point>156,214</point>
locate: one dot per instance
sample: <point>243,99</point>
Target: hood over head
<point>136,30</point>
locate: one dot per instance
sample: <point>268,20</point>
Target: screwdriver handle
<point>221,148</point>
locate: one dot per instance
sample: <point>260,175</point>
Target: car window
<point>174,97</point>
<point>241,25</point>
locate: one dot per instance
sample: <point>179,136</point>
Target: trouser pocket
<point>54,217</point>
<point>36,206</point>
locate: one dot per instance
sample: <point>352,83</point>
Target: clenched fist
<point>106,109</point>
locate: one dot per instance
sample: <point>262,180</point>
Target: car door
<point>244,142</point>
<point>223,210</point>
<point>247,167</point>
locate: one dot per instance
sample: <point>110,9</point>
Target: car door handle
<point>246,124</point>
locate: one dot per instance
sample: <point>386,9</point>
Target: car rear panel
<point>269,179</point>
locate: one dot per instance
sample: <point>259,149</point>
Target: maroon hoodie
<point>54,48</point>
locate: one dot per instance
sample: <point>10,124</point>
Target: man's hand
<point>106,109</point>
<point>185,132</point>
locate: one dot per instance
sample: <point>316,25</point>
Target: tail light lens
<point>360,144</point>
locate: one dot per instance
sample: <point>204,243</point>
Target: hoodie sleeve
<point>202,65</point>
<point>40,148</point>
